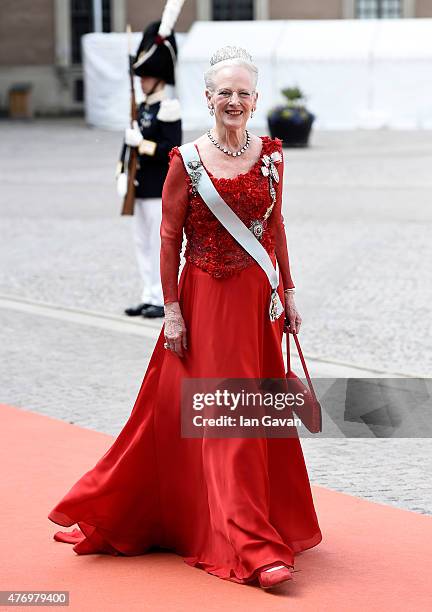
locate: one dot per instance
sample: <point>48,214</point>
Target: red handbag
<point>310,412</point>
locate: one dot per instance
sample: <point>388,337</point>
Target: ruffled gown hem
<point>96,543</point>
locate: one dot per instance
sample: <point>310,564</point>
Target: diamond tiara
<point>230,52</point>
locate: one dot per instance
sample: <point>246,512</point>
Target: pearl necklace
<point>227,151</point>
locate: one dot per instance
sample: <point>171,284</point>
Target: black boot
<point>153,312</point>
<point>136,311</point>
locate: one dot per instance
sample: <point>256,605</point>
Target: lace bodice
<point>209,245</point>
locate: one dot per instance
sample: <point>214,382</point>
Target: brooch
<point>257,228</point>
<point>269,169</point>
<point>195,174</point>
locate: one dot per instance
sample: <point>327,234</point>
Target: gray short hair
<point>209,74</point>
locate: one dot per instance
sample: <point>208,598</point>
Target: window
<point>78,90</point>
<point>233,10</point>
<point>377,9</point>
<point>82,23</point>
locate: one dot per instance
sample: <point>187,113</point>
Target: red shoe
<point>70,537</point>
<point>274,576</point>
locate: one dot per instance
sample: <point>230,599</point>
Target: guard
<point>156,132</point>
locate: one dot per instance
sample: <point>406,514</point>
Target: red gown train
<point>229,506</point>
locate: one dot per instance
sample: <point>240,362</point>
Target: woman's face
<point>233,97</point>
<point>147,83</point>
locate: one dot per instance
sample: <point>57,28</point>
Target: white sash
<point>235,226</point>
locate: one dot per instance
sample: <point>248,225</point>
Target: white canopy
<point>355,73</point>
<point>330,62</point>
<point>400,81</point>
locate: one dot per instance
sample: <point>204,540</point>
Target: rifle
<point>132,157</point>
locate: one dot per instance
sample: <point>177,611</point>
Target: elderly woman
<point>238,507</point>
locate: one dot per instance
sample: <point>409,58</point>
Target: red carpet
<point>373,557</point>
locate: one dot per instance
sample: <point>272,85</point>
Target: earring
<point>211,111</point>
<point>252,112</point>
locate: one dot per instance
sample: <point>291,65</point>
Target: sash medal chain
<point>268,169</point>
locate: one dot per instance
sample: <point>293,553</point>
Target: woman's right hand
<point>175,329</point>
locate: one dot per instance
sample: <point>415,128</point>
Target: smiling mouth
<point>235,113</point>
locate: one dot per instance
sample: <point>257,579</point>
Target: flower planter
<point>292,122</point>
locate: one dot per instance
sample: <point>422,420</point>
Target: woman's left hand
<point>293,319</point>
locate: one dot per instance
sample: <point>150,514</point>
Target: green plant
<point>294,97</point>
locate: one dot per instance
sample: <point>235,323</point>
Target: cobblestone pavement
<point>357,212</point>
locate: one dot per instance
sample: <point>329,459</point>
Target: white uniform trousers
<point>146,227</point>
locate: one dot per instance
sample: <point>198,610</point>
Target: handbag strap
<point>203,184</point>
<point>303,362</point>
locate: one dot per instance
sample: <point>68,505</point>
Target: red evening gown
<point>229,506</point>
